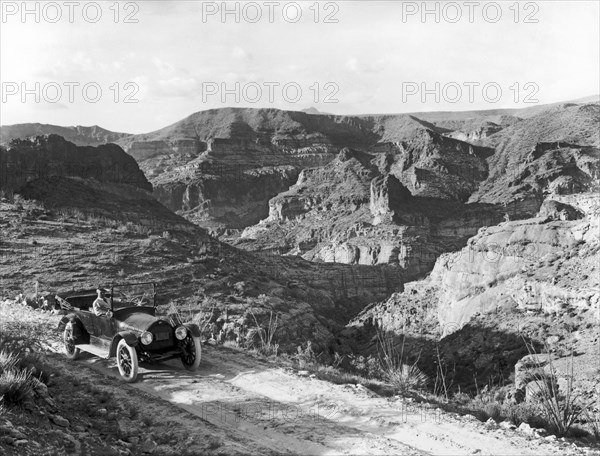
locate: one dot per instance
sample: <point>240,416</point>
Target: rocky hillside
<point>66,231</point>
<point>53,156</point>
<point>561,144</point>
<point>220,167</point>
<point>536,278</point>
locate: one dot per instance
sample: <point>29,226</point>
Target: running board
<point>94,350</point>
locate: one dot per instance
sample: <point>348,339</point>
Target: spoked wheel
<point>191,352</point>
<point>127,361</point>
<point>71,349</point>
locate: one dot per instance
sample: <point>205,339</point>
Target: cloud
<point>241,54</point>
<point>164,68</point>
<point>357,66</point>
<point>177,87</point>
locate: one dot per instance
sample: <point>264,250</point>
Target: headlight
<point>181,332</point>
<point>146,338</point>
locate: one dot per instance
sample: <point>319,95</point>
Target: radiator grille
<point>162,337</point>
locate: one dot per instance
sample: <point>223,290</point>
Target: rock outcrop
<point>387,193</point>
<point>53,156</point>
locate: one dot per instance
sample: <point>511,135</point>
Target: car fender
<point>80,334</point>
<point>63,322</point>
<point>193,329</point>
<point>131,339</point>
<point>69,318</point>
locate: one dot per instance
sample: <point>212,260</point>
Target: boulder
<point>554,210</point>
<point>530,376</point>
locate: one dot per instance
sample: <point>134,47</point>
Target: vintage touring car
<point>130,331</point>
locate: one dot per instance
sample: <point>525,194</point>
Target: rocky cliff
<point>351,212</point>
<point>536,278</point>
<point>53,156</point>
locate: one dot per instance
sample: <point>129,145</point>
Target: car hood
<point>141,321</point>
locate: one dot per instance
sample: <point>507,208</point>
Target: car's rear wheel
<point>191,352</point>
<point>127,361</point>
<point>71,349</point>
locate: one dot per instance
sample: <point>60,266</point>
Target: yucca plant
<point>16,386</point>
<point>401,375</point>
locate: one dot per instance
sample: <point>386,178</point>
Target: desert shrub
<point>305,356</point>
<point>593,421</point>
<point>523,413</point>
<point>265,335</point>
<point>369,366</point>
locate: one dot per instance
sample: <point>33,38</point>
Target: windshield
<point>130,295</point>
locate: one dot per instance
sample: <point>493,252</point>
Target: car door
<point>106,326</point>
<point>91,323</point>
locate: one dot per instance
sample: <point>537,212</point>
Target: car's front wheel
<point>127,361</point>
<point>71,349</point>
<point>191,352</point>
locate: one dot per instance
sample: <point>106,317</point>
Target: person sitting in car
<point>100,306</point>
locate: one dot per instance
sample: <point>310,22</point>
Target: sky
<point>139,66</point>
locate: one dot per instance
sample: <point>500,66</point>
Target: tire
<point>127,361</point>
<point>71,350</point>
<point>191,348</point>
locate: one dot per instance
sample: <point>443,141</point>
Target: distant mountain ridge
<point>79,135</point>
<point>94,135</point>
<point>230,169</point>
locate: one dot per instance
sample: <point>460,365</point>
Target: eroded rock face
<point>487,275</point>
<point>352,211</point>
<point>53,156</point>
<point>387,193</point>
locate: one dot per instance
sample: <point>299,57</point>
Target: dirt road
<point>273,408</point>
